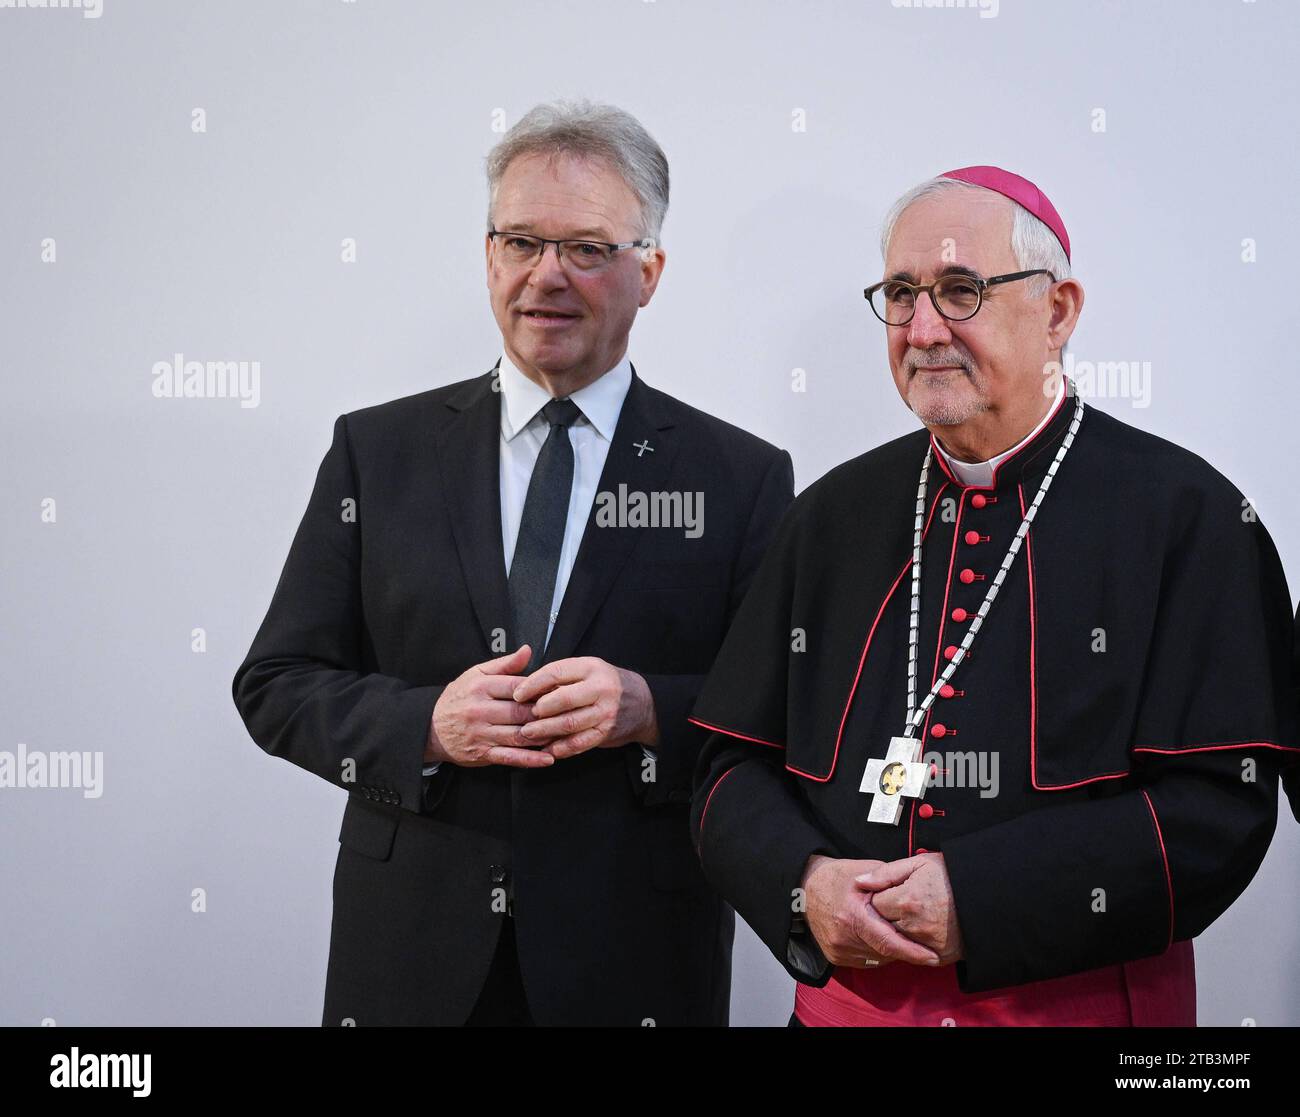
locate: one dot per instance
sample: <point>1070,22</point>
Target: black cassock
<point>1291,778</point>
<point>1132,679</point>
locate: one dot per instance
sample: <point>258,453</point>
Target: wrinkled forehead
<point>954,228</point>
<point>559,186</point>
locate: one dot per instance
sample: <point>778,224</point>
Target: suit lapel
<point>469,458</point>
<point>604,550</point>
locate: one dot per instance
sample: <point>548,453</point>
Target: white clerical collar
<point>600,401</point>
<point>980,475</point>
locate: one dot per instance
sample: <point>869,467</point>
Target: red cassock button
<point>925,810</point>
<point>972,537</point>
<point>978,500</point>
<point>950,651</point>
<point>967,576</point>
<point>959,615</point>
<point>922,849</point>
<point>947,690</point>
<point>938,730</point>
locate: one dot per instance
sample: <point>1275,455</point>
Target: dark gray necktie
<point>541,532</point>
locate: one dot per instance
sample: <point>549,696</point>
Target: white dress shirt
<point>523,433</point>
<point>979,475</point>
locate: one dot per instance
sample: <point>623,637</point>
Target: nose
<point>548,272</point>
<point>928,327</point>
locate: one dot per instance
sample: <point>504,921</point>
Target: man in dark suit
<point>494,618</point>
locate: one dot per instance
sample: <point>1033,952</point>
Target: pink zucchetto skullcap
<point>1019,190</point>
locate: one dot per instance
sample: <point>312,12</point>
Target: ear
<point>652,267</point>
<point>487,256</point>
<point>1067,304</point>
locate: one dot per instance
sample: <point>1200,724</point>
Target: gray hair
<point>590,131</point>
<point>1032,242</point>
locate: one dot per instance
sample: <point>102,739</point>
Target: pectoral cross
<point>642,446</point>
<point>900,775</point>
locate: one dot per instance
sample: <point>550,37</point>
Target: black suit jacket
<point>395,584</point>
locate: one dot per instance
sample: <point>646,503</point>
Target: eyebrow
<point>951,269</point>
<point>589,233</point>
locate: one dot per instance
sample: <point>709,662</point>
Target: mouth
<point>936,372</point>
<point>544,316</point>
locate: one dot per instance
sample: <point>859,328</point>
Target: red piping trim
<point>839,736</point>
<point>1082,783</point>
<point>1215,748</point>
<point>1165,752</point>
<point>1033,678</point>
<point>1033,650</point>
<point>989,488</point>
<point>861,660</point>
<point>943,464</point>
<point>712,791</point>
<point>943,613</point>
<point>1169,881</point>
<point>733,733</point>
<point>1060,402</point>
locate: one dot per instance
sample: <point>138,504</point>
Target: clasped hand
<point>492,714</point>
<point>870,913</point>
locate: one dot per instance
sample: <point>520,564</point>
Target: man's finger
<point>552,675</point>
<point>500,711</point>
<point>497,686</point>
<point>886,940</point>
<point>562,725</point>
<point>507,735</point>
<point>887,903</point>
<point>518,758</point>
<point>565,747</point>
<point>572,696</point>
<point>889,874</point>
<point>509,664</point>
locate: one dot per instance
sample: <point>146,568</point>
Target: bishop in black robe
<point>1132,682</point>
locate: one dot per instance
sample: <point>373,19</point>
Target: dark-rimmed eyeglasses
<point>520,250</point>
<point>956,297</point>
